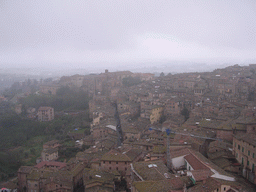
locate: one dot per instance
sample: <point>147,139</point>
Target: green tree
<point>130,81</point>
<point>251,96</point>
<point>162,74</point>
<point>185,113</point>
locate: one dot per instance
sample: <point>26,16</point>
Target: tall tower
<point>118,126</point>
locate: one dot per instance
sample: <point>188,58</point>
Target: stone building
<point>45,113</point>
<point>152,112</point>
<point>51,144</point>
<point>51,176</point>
<point>50,154</point>
<point>244,149</point>
<point>49,89</point>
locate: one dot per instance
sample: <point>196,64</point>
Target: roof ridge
<point>127,152</point>
<point>160,173</point>
<point>152,185</point>
<point>199,159</point>
<point>211,168</point>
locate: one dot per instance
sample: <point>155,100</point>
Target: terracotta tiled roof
<point>209,186</point>
<point>60,177</point>
<point>179,152</point>
<point>210,164</point>
<point>91,176</point>
<point>60,165</point>
<point>50,150</point>
<point>77,169</point>
<point>200,175</point>
<point>25,169</point>
<point>210,123</point>
<point>248,138</point>
<point>44,108</point>
<point>116,155</point>
<point>195,163</point>
<point>51,142</point>
<point>170,185</point>
<point>221,162</point>
<point>154,173</point>
<point>36,174</point>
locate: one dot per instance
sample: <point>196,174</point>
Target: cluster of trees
<point>17,131</point>
<point>185,113</point>
<point>65,99</point>
<point>9,164</point>
<point>17,87</point>
<point>130,81</point>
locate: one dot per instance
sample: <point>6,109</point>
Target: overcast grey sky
<point>119,31</point>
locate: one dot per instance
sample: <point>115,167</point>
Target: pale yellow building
<point>156,114</point>
<point>244,149</point>
<point>153,113</point>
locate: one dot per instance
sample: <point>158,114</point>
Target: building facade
<point>45,113</point>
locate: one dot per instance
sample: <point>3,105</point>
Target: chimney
<point>106,70</point>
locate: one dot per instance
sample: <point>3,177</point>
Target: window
<point>242,149</point>
<point>117,162</point>
<point>125,163</point>
<point>109,168</point>
<point>253,167</point>
<point>236,155</point>
<point>248,162</point>
<point>235,144</point>
<point>242,160</point>
<point>249,152</point>
<point>109,162</point>
<point>253,155</point>
<point>238,147</point>
<point>224,188</point>
<point>117,168</point>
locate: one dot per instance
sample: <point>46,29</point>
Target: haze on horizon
<point>99,33</point>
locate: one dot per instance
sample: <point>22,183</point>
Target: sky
<point>101,33</point>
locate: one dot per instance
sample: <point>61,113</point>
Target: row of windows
<point>248,164</point>
<point>117,168</point>
<point>114,161</point>
<point>249,152</point>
